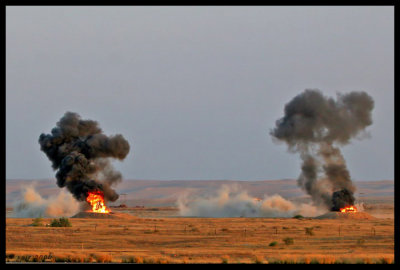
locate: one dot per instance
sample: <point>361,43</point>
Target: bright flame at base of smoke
<point>33,205</point>
<point>349,209</point>
<point>96,201</point>
<point>232,201</point>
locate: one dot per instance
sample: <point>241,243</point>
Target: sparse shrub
<point>361,241</point>
<point>224,259</point>
<point>345,261</point>
<point>289,261</point>
<point>61,222</point>
<point>359,261</point>
<point>328,260</point>
<point>162,261</point>
<point>10,256</point>
<point>225,229</point>
<point>367,261</point>
<point>21,258</point>
<point>137,259</point>
<point>288,241</point>
<point>35,258</point>
<point>60,259</point>
<point>133,259</point>
<point>314,261</point>
<point>309,230</point>
<point>272,244</point>
<point>298,216</point>
<point>37,222</point>
<point>148,260</point>
<point>386,261</point>
<point>126,260</point>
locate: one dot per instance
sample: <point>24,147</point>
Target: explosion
<point>315,126</point>
<point>349,209</point>
<point>96,201</point>
<point>80,153</point>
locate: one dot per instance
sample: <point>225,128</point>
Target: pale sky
<point>195,90</point>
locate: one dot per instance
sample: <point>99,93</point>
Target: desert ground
<point>158,234</point>
<point>147,238</point>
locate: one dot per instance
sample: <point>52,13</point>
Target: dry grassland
<point>204,240</point>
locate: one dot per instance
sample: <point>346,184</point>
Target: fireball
<point>347,209</point>
<point>96,201</point>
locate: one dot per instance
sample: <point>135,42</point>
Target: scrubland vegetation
<point>201,240</point>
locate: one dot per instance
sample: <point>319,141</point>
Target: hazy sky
<point>195,90</point>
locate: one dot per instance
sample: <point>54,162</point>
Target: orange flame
<point>347,209</point>
<point>96,200</point>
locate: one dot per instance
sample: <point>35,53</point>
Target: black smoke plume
<point>80,153</point>
<point>314,126</point>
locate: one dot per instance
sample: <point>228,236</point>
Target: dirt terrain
<point>151,230</point>
<point>156,235</point>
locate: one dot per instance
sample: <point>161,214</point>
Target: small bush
<point>224,260</point>
<point>162,260</point>
<point>61,222</point>
<point>137,259</point>
<point>272,244</point>
<point>60,259</point>
<point>315,261</point>
<point>133,259</point>
<point>37,222</point>
<point>360,241</point>
<point>34,259</point>
<point>10,256</point>
<point>309,230</point>
<point>298,216</point>
<point>385,261</point>
<point>148,260</point>
<point>288,241</point>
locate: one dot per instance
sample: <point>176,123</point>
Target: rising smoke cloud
<point>233,201</point>
<point>80,153</point>
<point>315,126</point>
<point>32,204</point>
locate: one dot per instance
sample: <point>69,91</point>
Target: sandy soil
<point>206,240</point>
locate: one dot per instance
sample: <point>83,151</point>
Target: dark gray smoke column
<point>80,153</point>
<point>312,125</point>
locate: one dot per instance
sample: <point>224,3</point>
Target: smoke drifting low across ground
<point>316,126</point>
<point>33,205</point>
<point>233,201</point>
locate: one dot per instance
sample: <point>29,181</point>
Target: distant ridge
<point>166,192</point>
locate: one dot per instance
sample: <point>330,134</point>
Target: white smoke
<point>232,201</point>
<point>33,205</point>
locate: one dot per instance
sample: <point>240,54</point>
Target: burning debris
<point>96,200</point>
<point>80,153</point>
<point>313,125</point>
